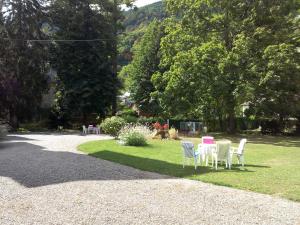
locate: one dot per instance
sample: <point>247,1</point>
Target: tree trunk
<point>221,124</point>
<point>114,56</point>
<point>298,125</point>
<point>231,122</point>
<point>13,120</point>
<point>281,124</point>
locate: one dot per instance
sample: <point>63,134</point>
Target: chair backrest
<point>188,149</point>
<point>242,146</point>
<point>83,127</point>
<point>207,140</point>
<point>223,149</point>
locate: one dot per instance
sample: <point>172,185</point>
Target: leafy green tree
<point>279,91</point>
<point>145,63</point>
<point>23,64</point>
<point>86,81</point>
<point>217,50</point>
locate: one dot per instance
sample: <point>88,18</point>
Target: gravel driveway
<point>44,180</point>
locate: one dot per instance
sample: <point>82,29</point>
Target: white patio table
<point>205,151</point>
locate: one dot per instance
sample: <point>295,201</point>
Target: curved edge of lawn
<point>165,157</point>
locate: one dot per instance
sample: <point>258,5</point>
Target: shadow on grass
<point>162,167</point>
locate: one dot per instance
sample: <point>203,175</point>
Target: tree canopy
<point>220,54</point>
<point>145,63</point>
<point>23,63</point>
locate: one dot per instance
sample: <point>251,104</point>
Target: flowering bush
<point>134,135</point>
<point>166,127</point>
<point>173,134</point>
<point>158,126</point>
<point>113,125</point>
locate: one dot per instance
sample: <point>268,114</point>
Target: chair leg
<point>216,162</point>
<point>242,159</point>
<point>195,161</point>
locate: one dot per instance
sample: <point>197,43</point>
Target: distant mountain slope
<point>135,24</point>
<point>144,15</point>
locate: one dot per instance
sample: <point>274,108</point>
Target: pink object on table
<point>208,140</point>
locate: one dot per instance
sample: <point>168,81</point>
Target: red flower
<point>157,126</point>
<point>166,127</point>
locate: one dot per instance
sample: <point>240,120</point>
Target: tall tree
<point>116,18</point>
<point>87,68</point>
<point>23,62</point>
<point>145,63</point>
<point>216,50</point>
<point>86,81</point>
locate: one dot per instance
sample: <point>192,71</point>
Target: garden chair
<point>222,154</point>
<point>97,130</point>
<point>239,151</point>
<point>189,152</point>
<point>84,129</point>
<point>206,147</point>
<point>207,140</point>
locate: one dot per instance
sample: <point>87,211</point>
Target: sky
<point>140,3</point>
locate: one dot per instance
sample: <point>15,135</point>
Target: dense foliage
<point>134,135</point>
<point>144,65</point>
<point>23,64</point>
<point>135,24</point>
<point>86,82</point>
<point>83,52</point>
<point>113,125</point>
<point>144,15</point>
<point>221,54</point>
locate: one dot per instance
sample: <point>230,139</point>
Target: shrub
<point>173,134</point>
<point>270,127</point>
<point>128,112</point>
<point>134,135</point>
<point>39,126</point>
<point>130,119</point>
<point>112,125</point>
<point>134,139</point>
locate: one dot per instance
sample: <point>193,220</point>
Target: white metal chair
<point>222,154</point>
<point>188,152</point>
<point>84,129</point>
<point>97,130</point>
<point>239,151</point>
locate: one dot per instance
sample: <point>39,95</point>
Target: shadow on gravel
<point>33,166</point>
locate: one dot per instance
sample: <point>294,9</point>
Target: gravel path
<point>44,180</point>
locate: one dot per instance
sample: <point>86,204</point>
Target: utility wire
<point>59,40</point>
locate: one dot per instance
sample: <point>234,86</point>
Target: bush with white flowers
<point>134,135</point>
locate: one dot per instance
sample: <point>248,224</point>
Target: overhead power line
<point>59,40</point>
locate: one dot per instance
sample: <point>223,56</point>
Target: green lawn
<point>272,163</point>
